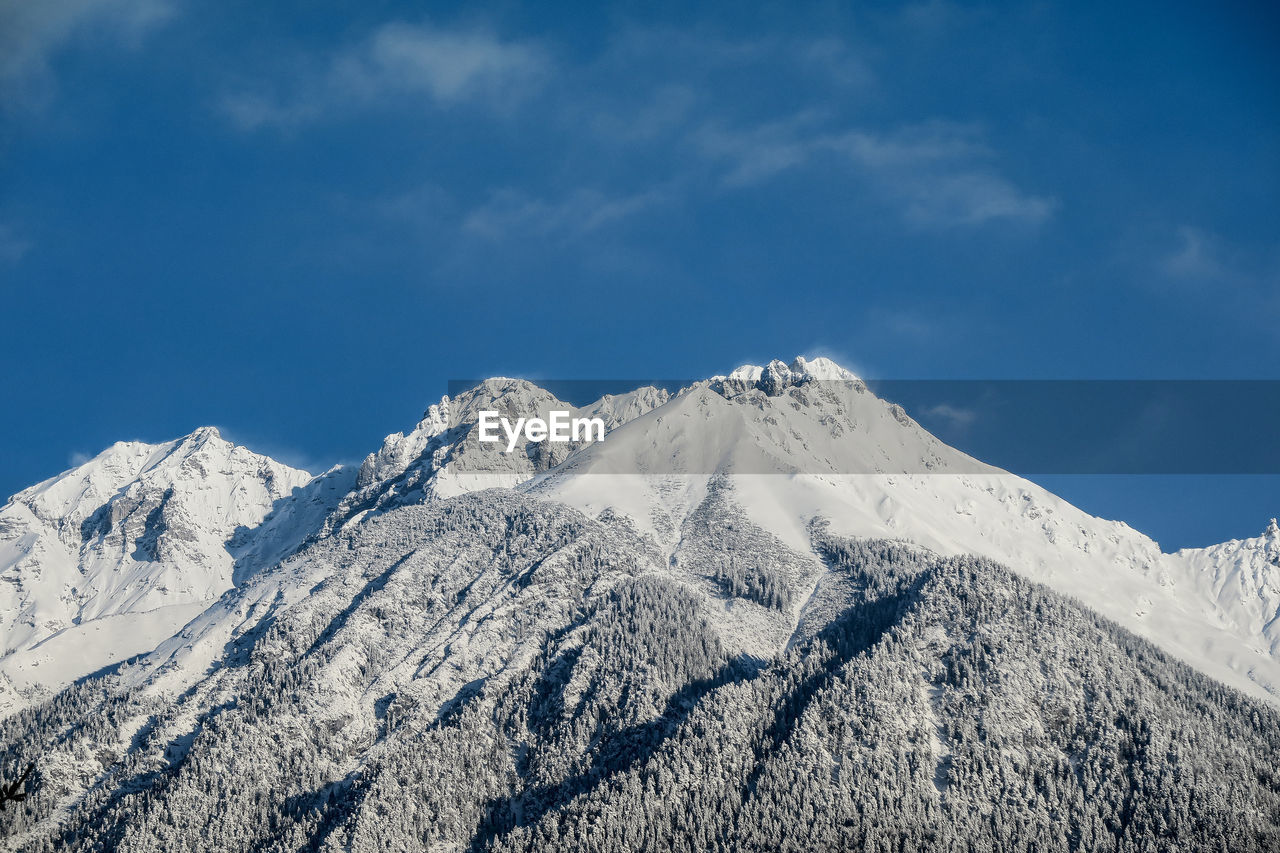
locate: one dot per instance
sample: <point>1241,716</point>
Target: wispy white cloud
<point>834,59</point>
<point>957,417</point>
<point>443,67</point>
<point>755,154</point>
<point>33,31</point>
<point>913,326</point>
<point>583,211</point>
<point>932,17</point>
<point>970,198</point>
<point>937,173</point>
<point>1204,265</point>
<point>693,54</point>
<point>254,110</point>
<point>1198,255</point>
<point>665,111</point>
<point>925,144</point>
<point>654,85</point>
<point>449,66</point>
<point>12,245</point>
<point>425,205</point>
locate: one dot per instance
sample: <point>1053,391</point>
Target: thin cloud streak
<point>957,417</point>
<point>13,247</point>
<point>581,212</point>
<point>1197,257</point>
<point>937,174</point>
<point>445,68</point>
<point>1202,262</point>
<point>33,31</point>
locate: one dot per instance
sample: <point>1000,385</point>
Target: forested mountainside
<point>494,672</point>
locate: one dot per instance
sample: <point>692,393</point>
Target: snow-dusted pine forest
<point>943,703</point>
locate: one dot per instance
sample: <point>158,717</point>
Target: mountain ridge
<point>651,641</point>
<point>803,442</point>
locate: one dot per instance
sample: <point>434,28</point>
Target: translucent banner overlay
<point>824,426</point>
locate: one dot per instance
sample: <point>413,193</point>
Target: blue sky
<point>299,220</point>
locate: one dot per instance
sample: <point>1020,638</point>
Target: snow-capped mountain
<point>499,672</point>
<point>808,441</point>
<point>751,597</point>
<point>105,560</point>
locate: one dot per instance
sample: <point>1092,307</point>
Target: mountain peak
<point>822,368</point>
<point>800,369</point>
<point>203,438</point>
<point>1272,531</point>
<point>205,433</point>
<point>777,376</point>
<point>136,538</point>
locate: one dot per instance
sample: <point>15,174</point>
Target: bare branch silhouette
<point>16,790</point>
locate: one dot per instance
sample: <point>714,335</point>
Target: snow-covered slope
<point>1241,578</point>
<point>736,586</point>
<point>726,479</point>
<point>498,673</point>
<point>107,559</point>
<point>808,441</point>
